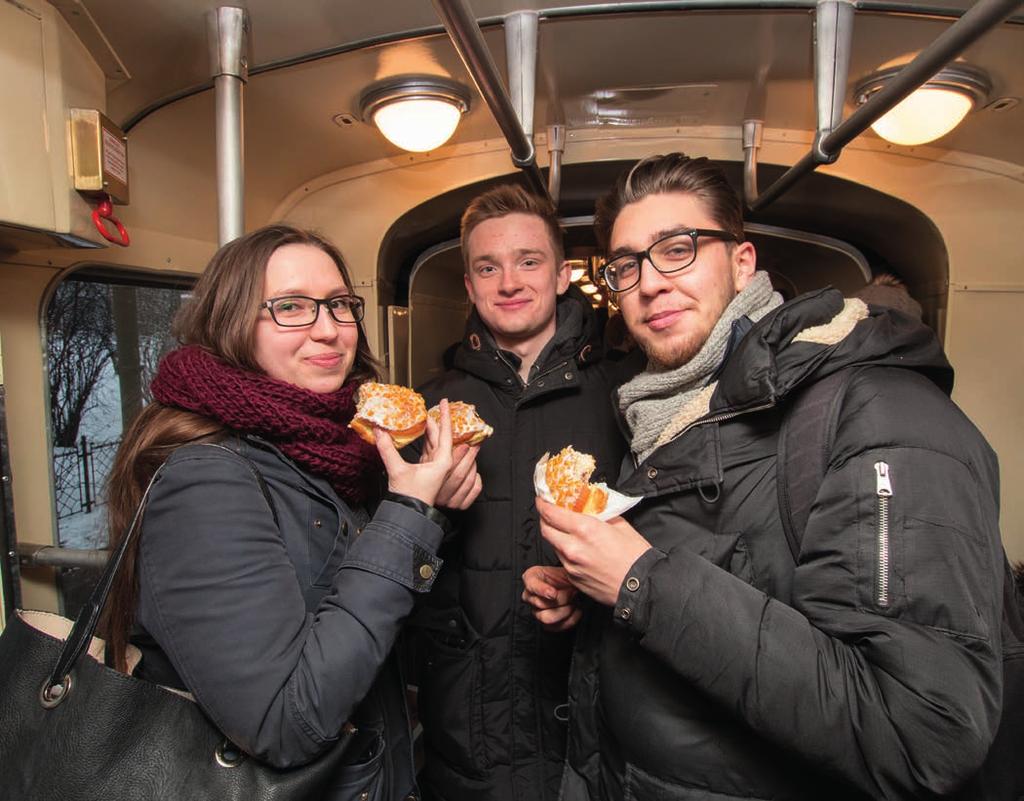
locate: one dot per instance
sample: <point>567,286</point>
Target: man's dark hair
<point>511,199</point>
<point>673,172</point>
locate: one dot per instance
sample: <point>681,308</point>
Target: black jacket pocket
<point>448,652</point>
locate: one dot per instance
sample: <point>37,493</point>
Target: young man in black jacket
<point>492,680</point>
<point>715,664</point>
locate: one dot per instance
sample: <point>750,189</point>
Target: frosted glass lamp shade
<point>418,124</point>
<point>930,111</point>
<point>924,116</point>
<point>415,113</point>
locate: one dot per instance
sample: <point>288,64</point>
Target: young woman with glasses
<point>274,570</point>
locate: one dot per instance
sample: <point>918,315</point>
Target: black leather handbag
<point>73,729</point>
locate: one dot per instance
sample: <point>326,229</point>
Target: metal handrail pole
<point>227,29</point>
<point>472,49</point>
<point>976,22</point>
<point>33,555</point>
<point>785,181</point>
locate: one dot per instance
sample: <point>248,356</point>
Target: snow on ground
<point>101,423</point>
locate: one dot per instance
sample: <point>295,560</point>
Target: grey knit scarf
<point>658,404</point>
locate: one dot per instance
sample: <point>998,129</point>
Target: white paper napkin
<point>617,502</point>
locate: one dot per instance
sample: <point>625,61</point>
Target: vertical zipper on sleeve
<point>883,492</point>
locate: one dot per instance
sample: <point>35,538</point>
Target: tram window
<point>105,332</point>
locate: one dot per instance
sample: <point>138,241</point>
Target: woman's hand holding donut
<point>422,480</point>
<point>462,484</point>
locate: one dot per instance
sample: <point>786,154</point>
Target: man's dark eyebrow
<point>675,229</point>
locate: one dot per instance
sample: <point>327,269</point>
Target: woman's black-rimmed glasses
<point>669,254</point>
<point>295,311</point>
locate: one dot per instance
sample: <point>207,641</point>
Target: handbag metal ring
<point>708,497</point>
<point>228,755</point>
<point>50,695</point>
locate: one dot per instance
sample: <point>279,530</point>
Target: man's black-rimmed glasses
<point>670,254</point>
<point>295,311</point>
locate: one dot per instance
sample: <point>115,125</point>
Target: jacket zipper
<point>525,384</point>
<point>883,492</point>
<point>508,364</point>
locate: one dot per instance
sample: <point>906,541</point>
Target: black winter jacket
<point>868,670</point>
<point>283,632</point>
<point>493,684</point>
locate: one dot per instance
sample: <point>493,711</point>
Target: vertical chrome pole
<point>228,38</point>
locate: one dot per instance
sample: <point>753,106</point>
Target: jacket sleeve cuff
<point>632,607</point>
<point>400,543</point>
<point>432,513</point>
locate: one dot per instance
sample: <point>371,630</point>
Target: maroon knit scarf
<point>309,427</point>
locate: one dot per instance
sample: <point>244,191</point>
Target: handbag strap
<point>89,616</point>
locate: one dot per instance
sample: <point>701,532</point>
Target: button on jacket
<point>869,668</point>
<point>283,631</point>
<point>492,682</point>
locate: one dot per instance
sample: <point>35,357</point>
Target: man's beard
<point>671,355</point>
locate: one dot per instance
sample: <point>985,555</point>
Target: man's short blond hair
<point>511,199</point>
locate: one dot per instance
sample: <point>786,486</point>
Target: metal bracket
<point>521,58</point>
<point>528,161</point>
<point>31,554</point>
<point>753,131</point>
<point>556,147</point>
<point>227,36</point>
<point>833,37</point>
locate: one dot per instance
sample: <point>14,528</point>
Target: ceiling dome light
<point>589,289</point>
<point>931,111</point>
<point>417,113</point>
<point>577,274</point>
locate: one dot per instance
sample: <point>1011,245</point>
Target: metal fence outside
<point>80,474</point>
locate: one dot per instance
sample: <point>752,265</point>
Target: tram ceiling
<point>152,38</point>
<point>679,68</point>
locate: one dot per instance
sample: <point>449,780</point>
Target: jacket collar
<point>767,365</point>
<point>575,341</point>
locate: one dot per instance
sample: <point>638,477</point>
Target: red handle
<point>105,211</point>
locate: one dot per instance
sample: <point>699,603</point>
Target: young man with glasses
<point>492,680</point>
<point>717,662</point>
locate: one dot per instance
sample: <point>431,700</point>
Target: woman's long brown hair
<point>221,317</point>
